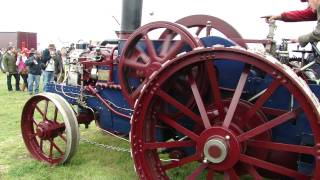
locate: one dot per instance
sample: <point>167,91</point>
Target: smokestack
<point>131,16</point>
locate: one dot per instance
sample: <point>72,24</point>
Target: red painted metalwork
<point>201,23</point>
<point>236,127</point>
<point>134,63</point>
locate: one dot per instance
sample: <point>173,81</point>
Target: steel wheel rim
<point>146,157</point>
<point>62,142</point>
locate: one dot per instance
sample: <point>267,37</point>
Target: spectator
<point>22,68</point>
<point>34,64</point>
<point>9,62</point>
<point>312,13</point>
<point>52,66</point>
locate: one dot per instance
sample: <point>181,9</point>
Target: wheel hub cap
<point>215,150</point>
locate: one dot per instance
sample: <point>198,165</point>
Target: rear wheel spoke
<point>199,102</point>
<point>166,45</point>
<point>182,108</point>
<point>262,99</point>
<point>210,174</point>
<point>199,29</point>
<point>213,80</point>
<point>181,162</point>
<point>174,50</point>
<point>178,127</point>
<point>269,125</point>
<point>231,174</point>
<point>282,147</point>
<point>150,49</point>
<point>173,144</point>
<point>236,96</point>
<point>272,167</point>
<point>253,172</point>
<point>197,172</point>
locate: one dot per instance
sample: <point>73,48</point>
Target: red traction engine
<point>193,106</point>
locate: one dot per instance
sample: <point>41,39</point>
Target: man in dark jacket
<point>34,64</point>
<point>52,65</point>
<point>9,62</point>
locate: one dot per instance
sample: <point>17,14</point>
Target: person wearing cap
<point>22,68</point>
<point>34,64</point>
<point>9,62</point>
<point>52,65</point>
<point>311,13</point>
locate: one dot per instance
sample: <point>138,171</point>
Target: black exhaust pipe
<point>131,17</point>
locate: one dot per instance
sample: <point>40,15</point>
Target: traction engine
<point>193,104</point>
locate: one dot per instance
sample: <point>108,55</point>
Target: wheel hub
<point>215,150</point>
<point>220,147</point>
<point>47,130</point>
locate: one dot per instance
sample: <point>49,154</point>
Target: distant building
<point>18,39</point>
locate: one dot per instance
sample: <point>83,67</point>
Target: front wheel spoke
<point>56,147</point>
<point>181,162</point>
<point>62,137</point>
<point>46,106</point>
<point>50,149</point>
<point>39,110</point>
<point>231,174</point>
<point>197,172</point>
<point>236,96</point>
<point>282,147</point>
<point>269,125</point>
<point>166,119</point>
<point>272,167</point>
<point>55,115</point>
<point>41,145</point>
<point>199,102</point>
<point>172,144</point>
<point>182,108</point>
<point>34,122</point>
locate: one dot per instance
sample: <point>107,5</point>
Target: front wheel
<point>49,128</point>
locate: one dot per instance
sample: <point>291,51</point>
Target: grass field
<point>89,162</point>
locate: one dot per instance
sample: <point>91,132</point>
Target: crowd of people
<point>30,65</point>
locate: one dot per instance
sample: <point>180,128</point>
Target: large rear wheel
<point>228,133</point>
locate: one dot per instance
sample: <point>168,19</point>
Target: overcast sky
<point>70,20</point>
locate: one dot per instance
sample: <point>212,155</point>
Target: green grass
<point>89,162</point>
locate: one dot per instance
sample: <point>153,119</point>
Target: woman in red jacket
<point>312,13</point>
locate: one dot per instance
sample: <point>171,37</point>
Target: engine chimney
<point>131,17</point>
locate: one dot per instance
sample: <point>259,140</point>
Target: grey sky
<point>62,20</point>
